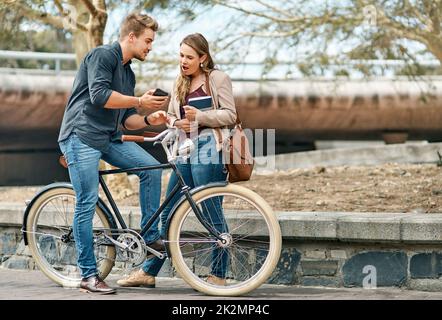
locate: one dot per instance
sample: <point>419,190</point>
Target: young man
<point>102,99</point>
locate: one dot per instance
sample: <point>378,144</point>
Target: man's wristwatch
<point>146,121</point>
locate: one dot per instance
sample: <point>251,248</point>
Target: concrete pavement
<point>33,285</point>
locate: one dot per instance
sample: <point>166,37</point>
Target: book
<point>201,103</point>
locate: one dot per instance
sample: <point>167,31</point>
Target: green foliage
<point>14,37</point>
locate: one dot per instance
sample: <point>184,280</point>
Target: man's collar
<point>117,47</point>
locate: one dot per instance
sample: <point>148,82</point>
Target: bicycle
<point>252,237</point>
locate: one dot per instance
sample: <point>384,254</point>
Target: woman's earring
<point>201,65</point>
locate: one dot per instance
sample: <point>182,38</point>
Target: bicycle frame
<point>115,212</point>
<point>185,189</point>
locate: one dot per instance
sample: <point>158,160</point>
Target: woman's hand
<point>191,113</point>
<point>157,118</point>
<point>184,124</point>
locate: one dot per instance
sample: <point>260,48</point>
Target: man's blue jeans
<point>204,166</point>
<point>83,164</point>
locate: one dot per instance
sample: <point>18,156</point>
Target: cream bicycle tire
<point>184,212</point>
<point>35,211</point>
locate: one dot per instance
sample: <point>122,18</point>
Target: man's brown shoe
<point>95,285</point>
<point>138,278</point>
<point>216,281</point>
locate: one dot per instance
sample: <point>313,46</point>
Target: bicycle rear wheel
<point>51,241</point>
<point>251,231</point>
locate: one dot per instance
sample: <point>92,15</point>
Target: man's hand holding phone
<point>152,101</point>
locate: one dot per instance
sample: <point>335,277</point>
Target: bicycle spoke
<point>49,223</point>
<point>242,256</point>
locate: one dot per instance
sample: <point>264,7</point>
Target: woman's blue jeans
<point>204,166</point>
<point>83,165</point>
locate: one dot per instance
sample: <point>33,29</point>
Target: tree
<point>314,34</point>
<point>85,19</point>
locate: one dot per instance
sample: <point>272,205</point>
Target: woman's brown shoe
<point>138,278</point>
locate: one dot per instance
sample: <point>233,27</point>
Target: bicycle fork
<point>199,215</point>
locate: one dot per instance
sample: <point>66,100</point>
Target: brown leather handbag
<point>238,159</point>
<point>236,153</point>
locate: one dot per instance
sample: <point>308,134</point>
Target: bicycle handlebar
<point>163,138</point>
<point>146,137</point>
<point>127,137</point>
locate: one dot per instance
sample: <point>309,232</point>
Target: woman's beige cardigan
<point>224,110</point>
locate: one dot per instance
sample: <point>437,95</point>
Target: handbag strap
<point>209,92</point>
<point>237,122</point>
<point>207,84</point>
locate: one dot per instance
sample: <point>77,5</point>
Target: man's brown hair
<point>137,23</point>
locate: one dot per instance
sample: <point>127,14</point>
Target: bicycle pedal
<point>151,255</point>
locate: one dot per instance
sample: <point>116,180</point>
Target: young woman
<point>198,77</point>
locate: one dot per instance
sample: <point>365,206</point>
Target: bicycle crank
<point>130,248</point>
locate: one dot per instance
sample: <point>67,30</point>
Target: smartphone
<point>159,92</point>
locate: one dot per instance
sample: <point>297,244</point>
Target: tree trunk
<point>80,44</point>
<point>84,41</point>
<point>96,28</point>
<point>435,46</point>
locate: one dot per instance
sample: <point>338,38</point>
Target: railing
<point>28,55</point>
<point>238,70</point>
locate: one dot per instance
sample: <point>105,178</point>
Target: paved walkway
<point>33,285</point>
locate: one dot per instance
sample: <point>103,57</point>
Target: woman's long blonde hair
<point>198,43</point>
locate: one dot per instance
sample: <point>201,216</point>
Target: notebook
<point>202,103</point>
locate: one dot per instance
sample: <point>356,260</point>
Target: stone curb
<point>341,226</point>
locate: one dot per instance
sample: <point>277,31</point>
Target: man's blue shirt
<point>100,73</point>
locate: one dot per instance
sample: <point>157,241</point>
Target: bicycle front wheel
<point>252,241</point>
<point>51,240</point>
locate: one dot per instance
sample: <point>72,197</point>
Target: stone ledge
<point>411,152</point>
<point>341,226</point>
<point>362,226</point>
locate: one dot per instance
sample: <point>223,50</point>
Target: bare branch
<point>90,7</point>
<point>273,8</point>
<point>59,7</point>
<point>100,4</point>
<point>30,13</point>
<point>46,18</point>
<point>80,26</point>
<point>257,14</point>
<point>272,34</point>
<point>400,30</point>
<point>424,20</point>
<point>231,42</point>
